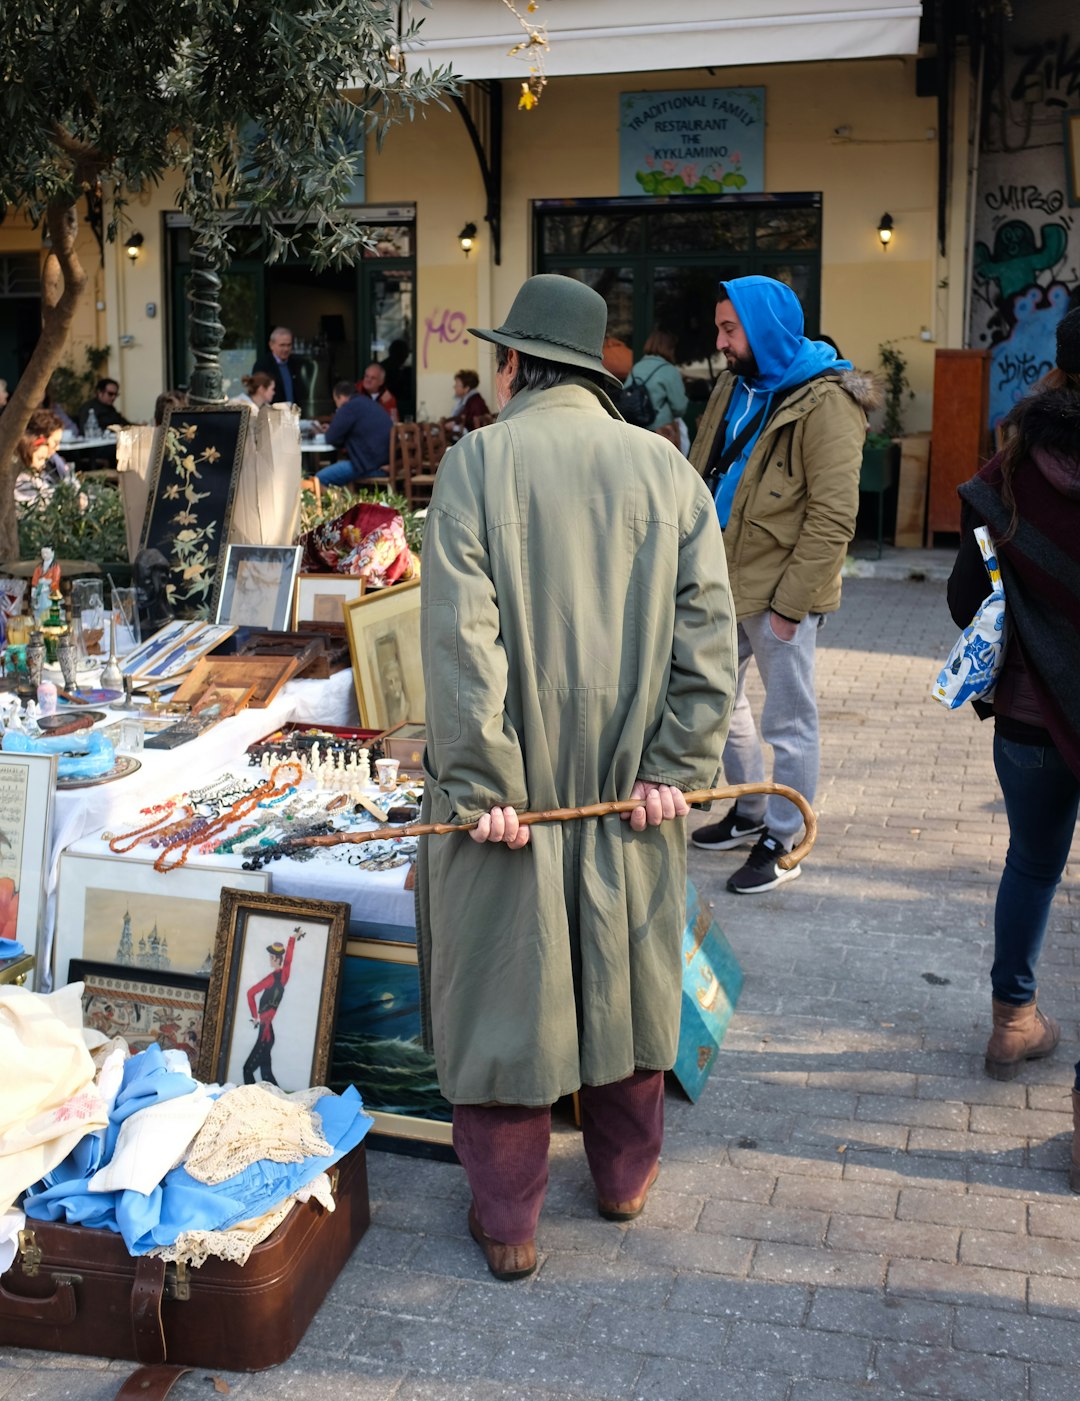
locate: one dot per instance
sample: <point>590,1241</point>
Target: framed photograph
<point>319,598</point>
<point>27,784</point>
<point>273,990</point>
<point>119,911</point>
<point>257,585</point>
<point>172,652</point>
<point>265,676</point>
<point>143,1007</point>
<point>194,471</point>
<point>378,1047</point>
<point>383,629</point>
<point>1072,156</point>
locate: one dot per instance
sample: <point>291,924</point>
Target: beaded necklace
<point>161,826</point>
<point>178,851</point>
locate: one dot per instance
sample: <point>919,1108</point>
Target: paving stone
<point>804,1265</point>
<point>793,1160</point>
<point>797,1352</point>
<point>816,1390</point>
<point>1054,1296</point>
<point>584,1373</point>
<point>311,1376</point>
<point>1042,1255</point>
<point>958,1284</point>
<point>943,1174</point>
<point>712,1254</point>
<point>918,1240</point>
<point>420,1346</point>
<point>1003,1179</point>
<point>656,1334</point>
<point>625,1281</point>
<point>880,1316</point>
<point>1038,1339</point>
<point>752,1221</point>
<point>955,1376</point>
<point>674,1380</point>
<point>1060,1219</point>
<point>1054,1383</point>
<point>927,1113</point>
<point>815,1194</point>
<point>1032,1123</point>
<point>72,1384</point>
<point>521,1309</point>
<point>852,1132</point>
<point>406,1292</point>
<point>949,1209</point>
<point>729,1298</point>
<point>474,1390</point>
<point>708,1180</point>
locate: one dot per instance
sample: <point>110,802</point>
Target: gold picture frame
<point>383,628</point>
<point>285,1031</point>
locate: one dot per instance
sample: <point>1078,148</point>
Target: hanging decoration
<point>530,50</point>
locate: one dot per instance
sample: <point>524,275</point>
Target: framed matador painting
<point>192,490</point>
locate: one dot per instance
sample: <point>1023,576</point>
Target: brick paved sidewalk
<point>852,1212</point>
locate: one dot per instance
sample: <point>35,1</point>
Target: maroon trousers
<point>504,1150</point>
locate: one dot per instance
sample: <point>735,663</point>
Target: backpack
<point>634,404</point>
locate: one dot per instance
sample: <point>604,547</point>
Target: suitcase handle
<point>56,1309</point>
<point>151,1383</point>
<point>147,1329</point>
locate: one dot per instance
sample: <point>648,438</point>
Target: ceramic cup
<point>387,771</point>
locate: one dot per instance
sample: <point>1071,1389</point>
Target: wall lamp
<point>133,245</point>
<point>885,230</point>
<point>466,238</point>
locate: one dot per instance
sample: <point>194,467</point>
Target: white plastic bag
<point>972,667</point>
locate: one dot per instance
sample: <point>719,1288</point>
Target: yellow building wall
<point>569,147</point>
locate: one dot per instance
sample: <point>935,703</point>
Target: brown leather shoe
<point>1074,1166</point>
<point>504,1261</point>
<point>626,1211</point>
<point>1020,1034</point>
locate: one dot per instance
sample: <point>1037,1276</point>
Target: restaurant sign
<point>707,141</point>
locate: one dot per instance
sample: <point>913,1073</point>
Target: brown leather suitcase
<point>76,1289</point>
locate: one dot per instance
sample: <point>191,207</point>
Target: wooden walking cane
<point>529,819</point>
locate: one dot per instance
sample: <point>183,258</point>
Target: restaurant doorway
<point>342,319</point>
<point>20,313</point>
<point>657,262</point>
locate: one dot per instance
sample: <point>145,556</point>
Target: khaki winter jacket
<point>795,506</point>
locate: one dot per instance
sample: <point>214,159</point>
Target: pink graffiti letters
<point>448,328</point>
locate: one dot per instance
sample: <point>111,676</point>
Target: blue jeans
<point>342,474</point>
<point>1041,796</point>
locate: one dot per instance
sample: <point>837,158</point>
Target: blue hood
<point>773,320</point>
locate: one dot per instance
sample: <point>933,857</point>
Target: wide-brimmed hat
<point>276,950</point>
<point>556,318</point>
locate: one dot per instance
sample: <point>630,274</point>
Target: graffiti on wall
<point>1027,249</point>
<point>443,327</point>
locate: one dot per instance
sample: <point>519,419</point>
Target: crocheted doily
<point>254,1122</point>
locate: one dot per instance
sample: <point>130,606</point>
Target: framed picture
<point>319,597</point>
<point>119,911</point>
<point>1072,156</point>
<point>27,784</point>
<point>143,1007</point>
<point>273,990</point>
<point>377,1043</point>
<point>264,675</point>
<point>173,652</point>
<point>257,585</point>
<point>193,477</point>
<point>383,629</point>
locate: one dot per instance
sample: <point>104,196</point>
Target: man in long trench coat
<point>578,644</point>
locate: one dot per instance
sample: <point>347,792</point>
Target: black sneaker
<point>730,831</point>
<point>762,871</point>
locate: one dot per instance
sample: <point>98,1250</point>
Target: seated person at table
<point>362,430</point>
<point>374,386</point>
<point>259,389</point>
<point>41,468</point>
<point>104,406</point>
<point>468,404</point>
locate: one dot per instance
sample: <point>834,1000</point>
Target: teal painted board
<point>712,982</point>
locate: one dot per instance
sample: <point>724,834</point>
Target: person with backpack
<point>654,394</point>
<point>780,447</point>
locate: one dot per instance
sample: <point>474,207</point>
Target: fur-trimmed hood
<point>865,388</point>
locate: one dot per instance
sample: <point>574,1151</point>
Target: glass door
<point>387,319</point>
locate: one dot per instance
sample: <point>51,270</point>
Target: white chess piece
<point>364,767</point>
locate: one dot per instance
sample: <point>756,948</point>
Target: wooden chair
<point>406,458</point>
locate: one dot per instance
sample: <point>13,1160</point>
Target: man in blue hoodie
<point>780,446</point>
<point>360,428</point>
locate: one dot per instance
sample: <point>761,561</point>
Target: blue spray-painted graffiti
<point>1027,353</point>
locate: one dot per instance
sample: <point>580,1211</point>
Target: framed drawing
<point>114,910</point>
<point>265,675</point>
<point>257,585</point>
<point>377,1044</point>
<point>273,990</point>
<point>1072,156</point>
<point>27,784</point>
<point>319,597</point>
<point>143,1007</point>
<point>193,476</point>
<point>173,651</point>
<point>383,629</point>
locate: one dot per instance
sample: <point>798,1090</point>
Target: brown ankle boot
<point>1020,1034</point>
<point>1074,1166</point>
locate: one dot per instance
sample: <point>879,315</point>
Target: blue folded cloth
<point>11,948</point>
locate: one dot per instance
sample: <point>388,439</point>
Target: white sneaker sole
<point>780,879</point>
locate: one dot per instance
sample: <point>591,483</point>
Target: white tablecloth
<point>165,772</point>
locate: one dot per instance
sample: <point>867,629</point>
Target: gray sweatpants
<point>789,722</point>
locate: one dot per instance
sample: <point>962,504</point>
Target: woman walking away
<point>1028,496</point>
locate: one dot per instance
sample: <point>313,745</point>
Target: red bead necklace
<point>270,788</point>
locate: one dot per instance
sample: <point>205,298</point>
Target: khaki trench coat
<point>577,634</point>
<point>795,506</point>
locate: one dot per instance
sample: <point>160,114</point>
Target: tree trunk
<point>62,285</point>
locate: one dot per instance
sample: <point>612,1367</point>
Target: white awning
<point>627,36</point>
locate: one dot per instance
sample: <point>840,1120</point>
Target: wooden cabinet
<point>960,439</point>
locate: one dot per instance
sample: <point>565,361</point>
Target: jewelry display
<point>283,777</point>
